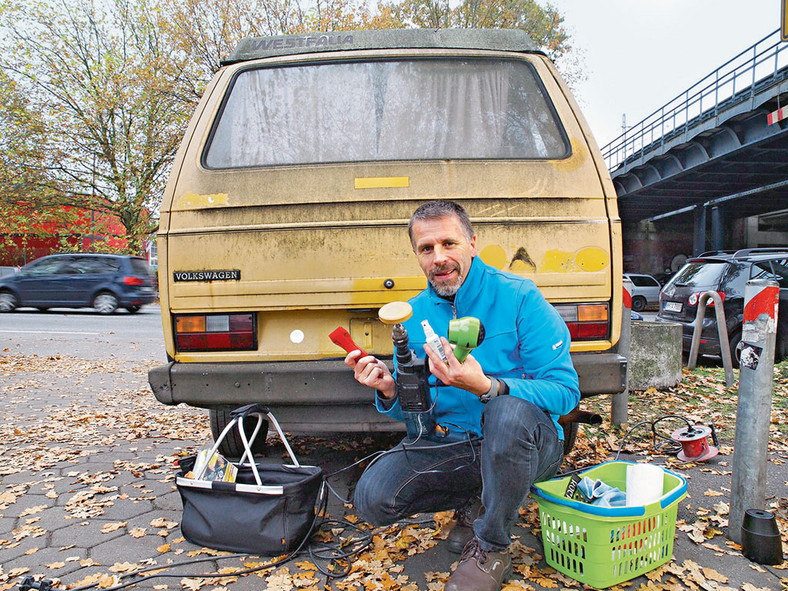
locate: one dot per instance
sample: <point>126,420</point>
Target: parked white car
<point>645,291</point>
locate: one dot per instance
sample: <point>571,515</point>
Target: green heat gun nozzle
<point>465,334</point>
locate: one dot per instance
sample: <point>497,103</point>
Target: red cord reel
<point>694,445</point>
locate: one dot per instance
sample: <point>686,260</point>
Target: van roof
<point>492,39</point>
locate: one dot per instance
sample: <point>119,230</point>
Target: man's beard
<point>445,289</point>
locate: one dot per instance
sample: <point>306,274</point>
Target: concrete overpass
<point>713,154</point>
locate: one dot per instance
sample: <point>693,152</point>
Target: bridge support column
<point>717,228</point>
<point>699,235</point>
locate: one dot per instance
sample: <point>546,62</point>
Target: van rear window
<point>425,109</point>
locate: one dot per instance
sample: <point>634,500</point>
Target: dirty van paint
<point>587,259</point>
<point>310,201</point>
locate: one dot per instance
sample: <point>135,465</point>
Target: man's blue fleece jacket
<point>526,345</point>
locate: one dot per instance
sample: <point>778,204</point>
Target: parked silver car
<point>645,291</point>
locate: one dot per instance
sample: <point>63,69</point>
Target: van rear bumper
<point>600,373</point>
<point>321,395</point>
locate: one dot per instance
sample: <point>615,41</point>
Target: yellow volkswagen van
<point>286,211</point>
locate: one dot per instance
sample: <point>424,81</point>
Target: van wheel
<point>638,303</point>
<point>8,301</point>
<point>105,303</point>
<point>232,446</point>
<point>570,434</point>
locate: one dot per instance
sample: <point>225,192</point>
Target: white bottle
<point>433,340</point>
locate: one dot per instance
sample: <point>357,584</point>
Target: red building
<point>70,229</point>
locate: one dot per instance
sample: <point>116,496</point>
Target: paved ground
<point>87,496</point>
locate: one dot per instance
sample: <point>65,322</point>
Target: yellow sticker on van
<point>195,201</point>
<point>382,182</point>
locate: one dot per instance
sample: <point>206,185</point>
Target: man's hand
<point>468,375</point>
<point>372,372</point>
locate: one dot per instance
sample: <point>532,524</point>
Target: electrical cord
<point>469,440</point>
<point>28,583</point>
<point>674,445</point>
<point>405,447</point>
<point>339,556</point>
<point>378,454</point>
<point>412,446</point>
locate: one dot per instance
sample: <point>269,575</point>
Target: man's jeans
<point>520,446</point>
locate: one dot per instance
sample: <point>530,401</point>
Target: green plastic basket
<point>604,546</point>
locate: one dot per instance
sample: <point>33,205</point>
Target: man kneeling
<point>497,410</point>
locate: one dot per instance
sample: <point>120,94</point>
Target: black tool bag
<point>269,509</point>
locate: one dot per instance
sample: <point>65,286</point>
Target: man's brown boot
<point>462,531</point>
<point>479,570</point>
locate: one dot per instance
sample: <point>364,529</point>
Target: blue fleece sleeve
<point>390,408</point>
<point>549,378</point>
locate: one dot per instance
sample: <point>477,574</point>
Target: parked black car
<point>727,273</point>
<point>105,282</point>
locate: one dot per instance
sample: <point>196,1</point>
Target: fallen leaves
<point>54,565</point>
<point>33,510</point>
<point>74,431</point>
<point>105,582</point>
<point>123,567</point>
<point>91,502</point>
<point>111,527</point>
<point>712,575</point>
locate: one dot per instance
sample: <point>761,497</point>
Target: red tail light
<point>586,322</point>
<point>215,332</point>
<point>133,281</point>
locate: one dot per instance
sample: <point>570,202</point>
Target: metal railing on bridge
<point>740,79</point>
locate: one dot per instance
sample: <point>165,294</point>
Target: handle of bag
<point>258,411</point>
<point>254,408</point>
<point>236,422</point>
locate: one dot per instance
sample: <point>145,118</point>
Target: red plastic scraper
<point>341,337</point>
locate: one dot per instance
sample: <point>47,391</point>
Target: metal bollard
<point>722,332</point>
<point>619,407</point>
<point>759,334</point>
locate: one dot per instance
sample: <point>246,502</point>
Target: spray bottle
<point>433,340</point>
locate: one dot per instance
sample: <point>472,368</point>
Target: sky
<point>640,54</point>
